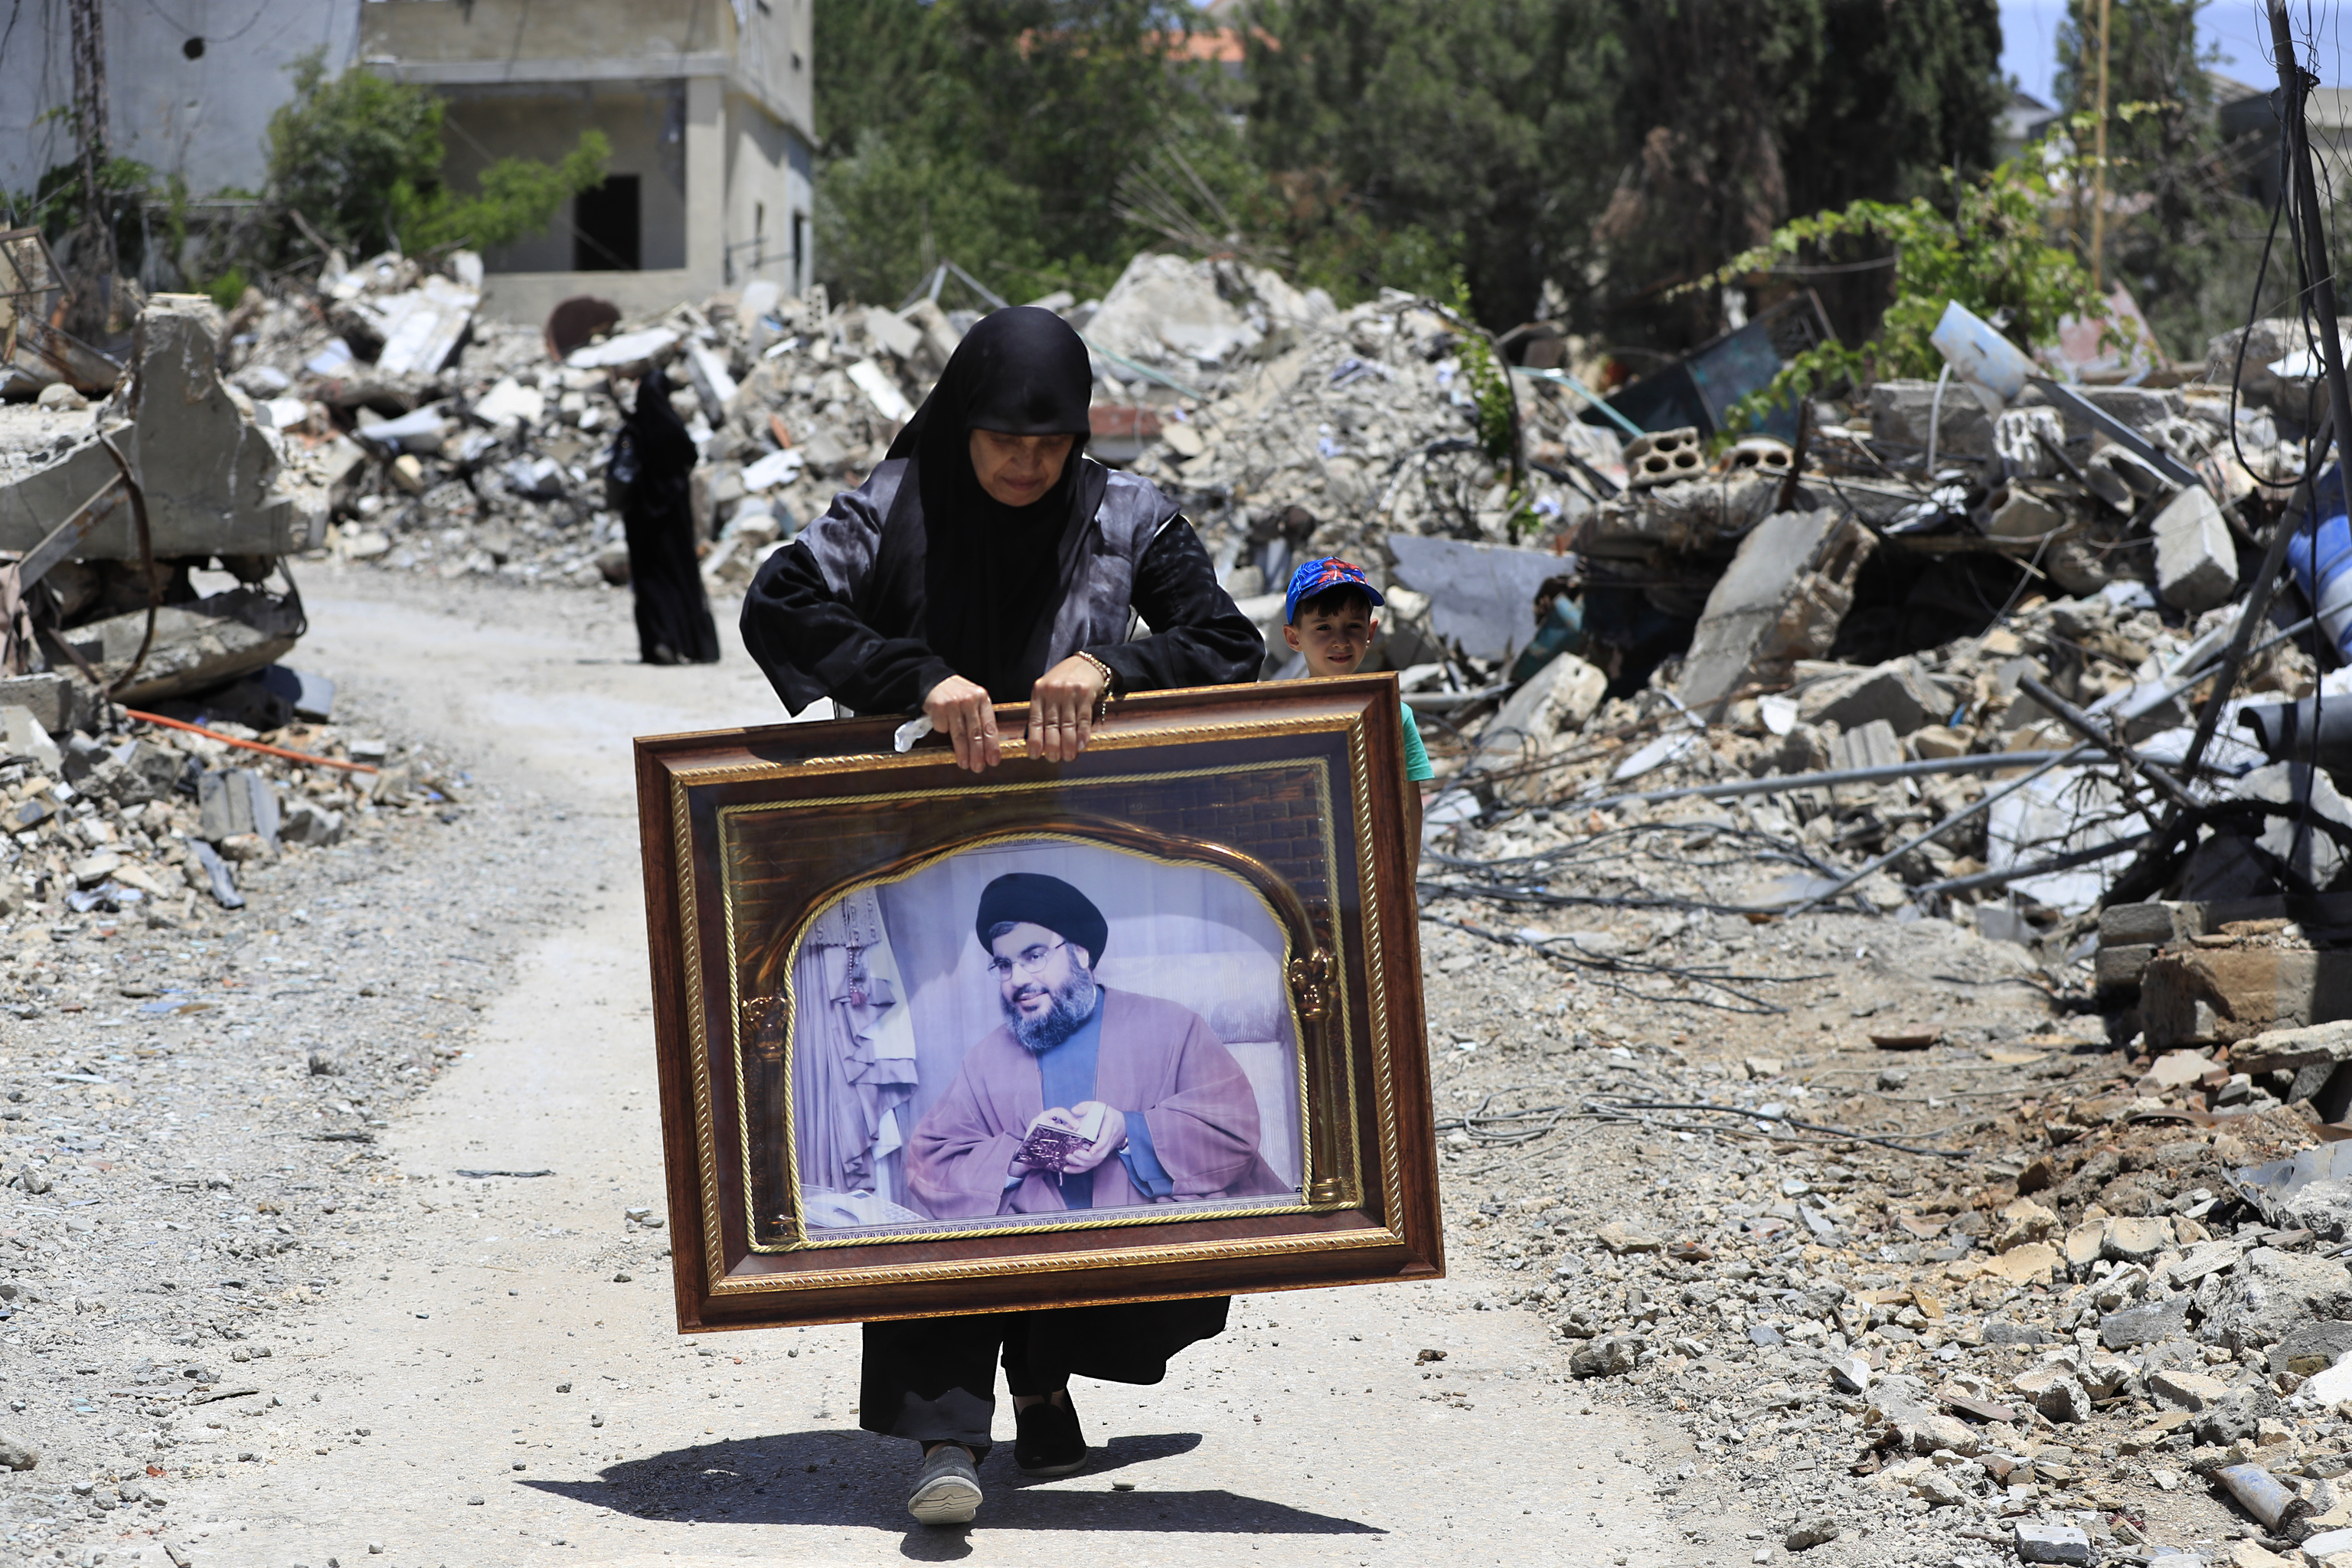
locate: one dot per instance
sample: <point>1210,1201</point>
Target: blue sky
<point>2029,38</point>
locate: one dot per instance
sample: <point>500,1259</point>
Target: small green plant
<point>229,287</point>
<point>360,157</point>
<point>1992,253</point>
<point>1492,408</point>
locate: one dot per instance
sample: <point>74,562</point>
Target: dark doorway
<point>605,228</point>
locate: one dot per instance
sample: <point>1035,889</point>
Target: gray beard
<point>1073,1003</point>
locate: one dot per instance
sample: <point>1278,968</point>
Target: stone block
<point>2054,1390</point>
<point>236,801</point>
<point>1870,745</point>
<point>2314,1349</point>
<point>1900,412</point>
<point>2189,1391</point>
<point>308,823</point>
<point>1611,1357</point>
<point>2272,1293</point>
<point>2196,561</point>
<point>2027,1265</point>
<point>2145,1324</point>
<point>1897,691</point>
<point>135,772</point>
<point>2213,996</point>
<point>59,703</point>
<point>2154,921</point>
<point>1782,600</point>
<point>2021,1222</point>
<point>1556,701</point>
<point>2175,1069</point>
<point>2135,1239</point>
<point>2117,969</point>
<point>2052,1544</point>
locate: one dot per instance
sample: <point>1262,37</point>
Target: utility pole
<point>93,251</point>
<point>2099,157</point>
<point>2295,138</point>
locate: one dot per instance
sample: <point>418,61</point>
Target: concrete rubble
<point>1950,1097</point>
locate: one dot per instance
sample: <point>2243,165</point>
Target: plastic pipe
<point>2323,568</point>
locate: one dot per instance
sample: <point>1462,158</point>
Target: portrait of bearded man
<point>1172,1116</point>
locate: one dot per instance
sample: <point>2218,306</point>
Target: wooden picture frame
<point>835,1035</point>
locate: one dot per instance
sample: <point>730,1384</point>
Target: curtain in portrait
<point>852,1067</point>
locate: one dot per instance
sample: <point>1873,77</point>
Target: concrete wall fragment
<point>210,470</point>
<point>1789,587</point>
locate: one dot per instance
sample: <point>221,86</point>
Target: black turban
<point>1020,897</point>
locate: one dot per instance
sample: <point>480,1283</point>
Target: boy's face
<point>1334,641</point>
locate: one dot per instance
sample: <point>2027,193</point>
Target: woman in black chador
<point>653,462</point>
<point>988,560</point>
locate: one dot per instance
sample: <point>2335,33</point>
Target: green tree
<point>2179,234</point>
<point>1435,133</point>
<point>360,158</point>
<point>1735,115</point>
<point>992,132</point>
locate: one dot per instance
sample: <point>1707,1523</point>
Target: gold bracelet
<point>1102,698</point>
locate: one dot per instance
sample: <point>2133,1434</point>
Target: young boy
<point>1330,615</point>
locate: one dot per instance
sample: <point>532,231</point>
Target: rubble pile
<point>1956,1276</point>
<point>116,813</point>
<point>1286,426</point>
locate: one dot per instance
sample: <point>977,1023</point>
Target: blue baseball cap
<point>1315,576</point>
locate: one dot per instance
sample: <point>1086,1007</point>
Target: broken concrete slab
<point>1782,600</point>
<point>196,646</point>
<point>1898,691</point>
<point>234,802</point>
<point>2293,1050</point>
<point>2272,1293</point>
<point>419,327</point>
<point>1557,700</point>
<point>1482,596</point>
<point>210,471</point>
<point>2145,1324</point>
<point>22,735</point>
<point>2196,560</point>
<point>59,703</point>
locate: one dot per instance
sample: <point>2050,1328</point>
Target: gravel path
<point>472,1370</point>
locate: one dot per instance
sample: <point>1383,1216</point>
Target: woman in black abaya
<point>654,459</point>
<point>988,560</point>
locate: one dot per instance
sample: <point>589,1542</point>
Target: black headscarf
<point>991,573</point>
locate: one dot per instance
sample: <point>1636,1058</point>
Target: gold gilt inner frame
<point>1294,788</point>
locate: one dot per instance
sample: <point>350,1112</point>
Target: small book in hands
<point>1051,1148</point>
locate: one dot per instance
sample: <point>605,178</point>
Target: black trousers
<point>934,1379</point>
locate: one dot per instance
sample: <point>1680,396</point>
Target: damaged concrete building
<point>707,106</point>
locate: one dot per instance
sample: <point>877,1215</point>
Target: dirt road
<point>501,1382</point>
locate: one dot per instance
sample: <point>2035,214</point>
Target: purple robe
<point>1156,1057</point>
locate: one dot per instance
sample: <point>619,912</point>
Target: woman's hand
<point>964,713</point>
<point>1061,709</point>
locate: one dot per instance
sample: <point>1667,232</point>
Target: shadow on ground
<point>850,1478</point>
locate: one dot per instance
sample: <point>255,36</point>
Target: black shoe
<point>1047,1441</point>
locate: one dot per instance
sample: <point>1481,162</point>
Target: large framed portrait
<point>1140,1026</point>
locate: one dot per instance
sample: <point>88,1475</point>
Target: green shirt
<point>1416,755</point>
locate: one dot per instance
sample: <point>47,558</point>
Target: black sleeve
<point>812,645</point>
<point>1197,637</point>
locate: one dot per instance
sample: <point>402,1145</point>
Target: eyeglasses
<point>1029,961</point>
